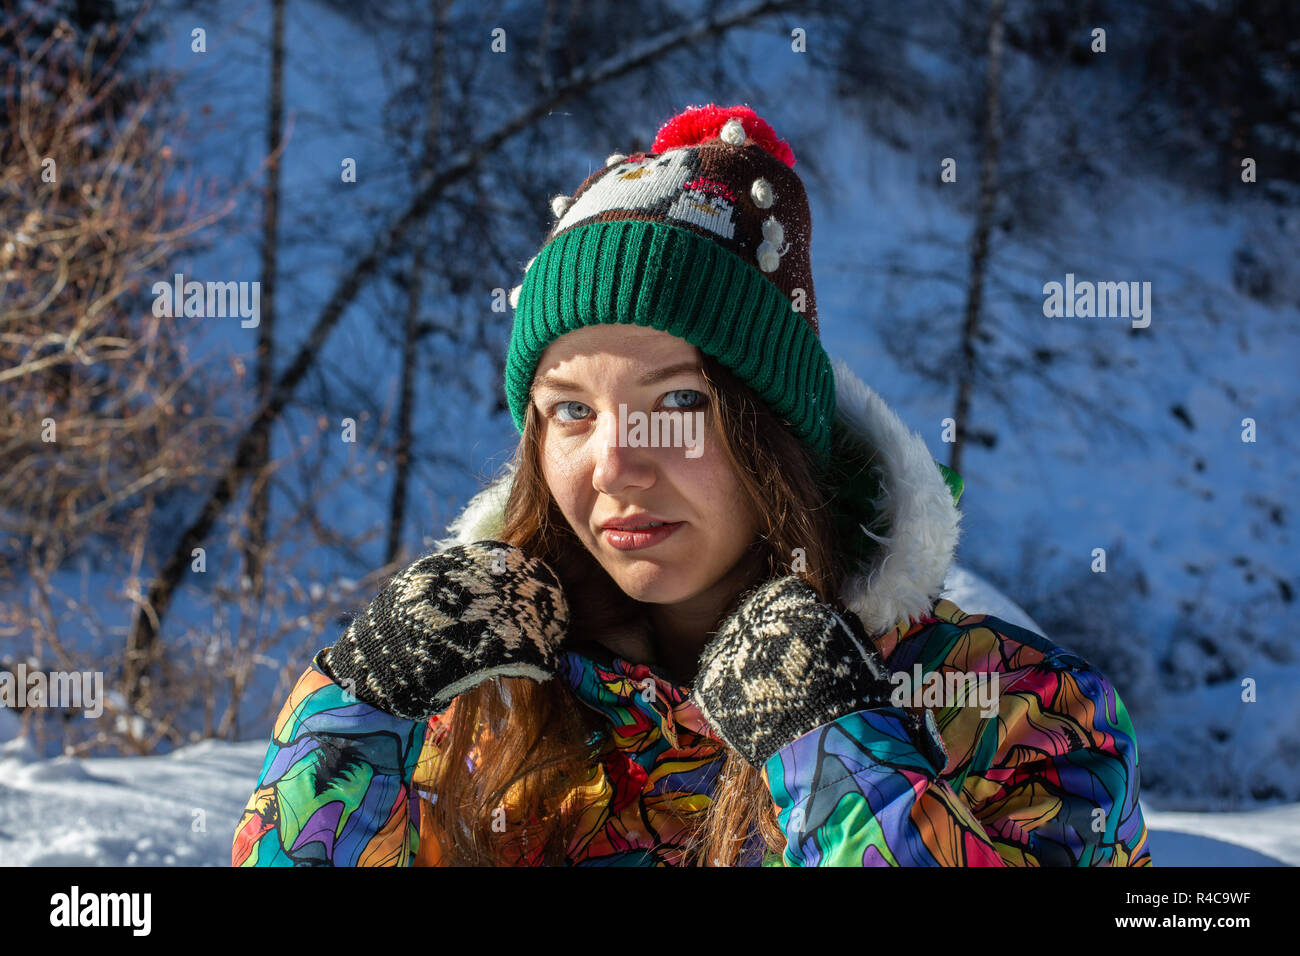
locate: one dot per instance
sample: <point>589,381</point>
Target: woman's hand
<point>449,622</point>
<point>784,664</point>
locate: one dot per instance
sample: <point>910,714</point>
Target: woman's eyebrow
<point>650,378</point>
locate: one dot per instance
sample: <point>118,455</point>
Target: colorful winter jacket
<point>1030,757</point>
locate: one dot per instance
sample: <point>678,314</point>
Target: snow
<point>1269,837</point>
<point>174,810</point>
<point>974,595</point>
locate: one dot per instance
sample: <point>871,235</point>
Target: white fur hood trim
<point>923,519</point>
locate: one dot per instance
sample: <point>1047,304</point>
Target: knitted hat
<point>705,237</point>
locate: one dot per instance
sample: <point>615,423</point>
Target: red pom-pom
<point>699,124</point>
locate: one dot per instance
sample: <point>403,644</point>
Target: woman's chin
<point>653,585</point>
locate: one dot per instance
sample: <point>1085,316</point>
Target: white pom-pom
<point>768,258</point>
<point>761,193</point>
<point>773,232</point>
<point>733,132</point>
<point>514,296</point>
<point>613,158</point>
<point>560,205</point>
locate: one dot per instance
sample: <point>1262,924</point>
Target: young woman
<point>697,621</point>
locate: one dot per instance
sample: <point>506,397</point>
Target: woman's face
<point>600,466</point>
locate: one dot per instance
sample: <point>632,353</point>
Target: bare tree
<point>259,500</point>
<point>415,299</point>
<point>979,252</point>
<point>103,415</point>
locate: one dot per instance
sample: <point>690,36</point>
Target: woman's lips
<point>636,540</point>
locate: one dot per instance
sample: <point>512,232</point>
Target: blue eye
<point>560,405</point>
<point>699,396</point>
<point>681,399</point>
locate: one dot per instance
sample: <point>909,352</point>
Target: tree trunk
<point>983,227</point>
<point>410,331</point>
<point>259,503</point>
<point>402,464</point>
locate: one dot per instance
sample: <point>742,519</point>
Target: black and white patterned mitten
<point>447,623</point>
<point>784,664</point>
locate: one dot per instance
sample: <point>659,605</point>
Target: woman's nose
<point>619,463</point>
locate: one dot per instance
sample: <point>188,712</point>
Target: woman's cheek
<point>563,464</point>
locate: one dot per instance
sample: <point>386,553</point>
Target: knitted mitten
<point>784,664</point>
<point>449,622</point>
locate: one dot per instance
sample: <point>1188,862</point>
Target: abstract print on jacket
<point>1050,778</point>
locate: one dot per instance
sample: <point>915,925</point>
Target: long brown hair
<point>542,739</point>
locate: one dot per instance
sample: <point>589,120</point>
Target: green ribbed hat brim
<point>637,272</point>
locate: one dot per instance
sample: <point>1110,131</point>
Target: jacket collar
<point>649,712</point>
<point>917,508</point>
